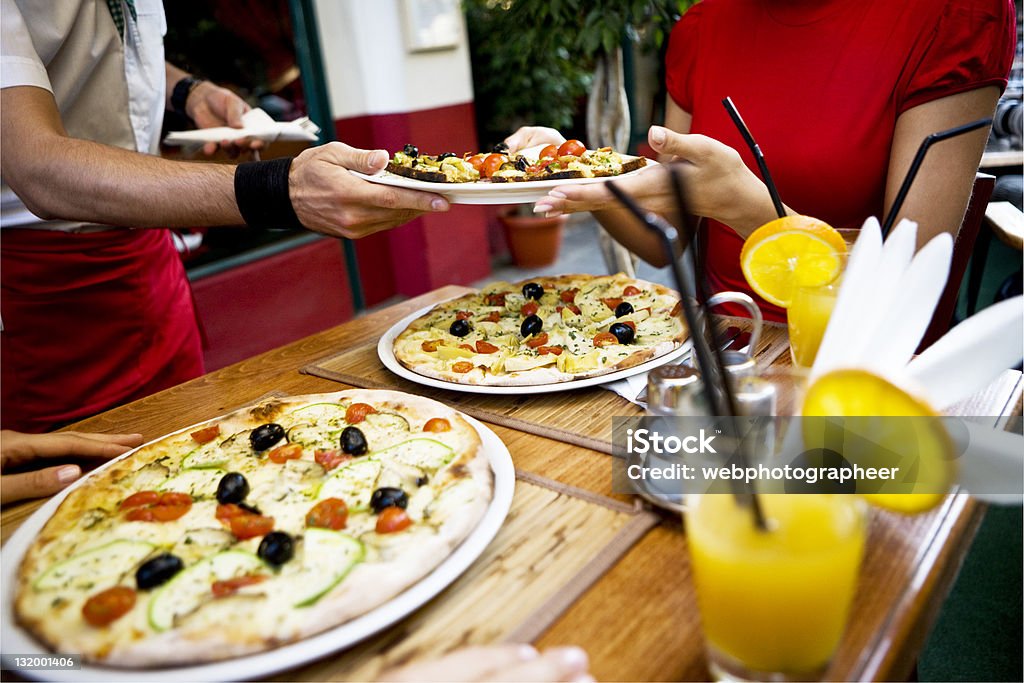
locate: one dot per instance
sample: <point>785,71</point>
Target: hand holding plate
<point>329,199</point>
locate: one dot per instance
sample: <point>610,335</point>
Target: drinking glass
<point>808,316</point>
<point>774,604</point>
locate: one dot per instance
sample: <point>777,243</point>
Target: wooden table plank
<point>639,621</point>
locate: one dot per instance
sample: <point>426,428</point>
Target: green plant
<point>533,59</point>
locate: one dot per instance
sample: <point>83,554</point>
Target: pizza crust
<point>254,623</point>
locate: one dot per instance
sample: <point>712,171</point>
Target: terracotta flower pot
<point>533,241</point>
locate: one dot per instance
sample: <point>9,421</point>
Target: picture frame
<point>431,25</point>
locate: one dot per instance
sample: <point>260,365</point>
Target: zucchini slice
<point>190,589</point>
<point>327,558</point>
<point>96,567</point>
<point>354,483</point>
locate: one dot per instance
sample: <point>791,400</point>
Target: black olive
<point>460,328</point>
<point>623,332</point>
<point>532,325</point>
<point>233,488</point>
<point>501,148</point>
<point>276,548</point>
<point>250,508</point>
<point>522,164</point>
<point>388,496</point>
<point>422,480</point>
<point>353,441</point>
<point>531,290</point>
<point>445,156</point>
<point>625,308</point>
<point>265,436</point>
<point>157,571</point>
<point>411,150</point>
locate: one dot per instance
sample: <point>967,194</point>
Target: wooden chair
<point>963,247</point>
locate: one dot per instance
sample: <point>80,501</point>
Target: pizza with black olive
<point>543,331</point>
<point>569,161</point>
<point>254,530</point>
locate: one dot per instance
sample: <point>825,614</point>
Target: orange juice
<point>807,318</point>
<point>775,602</point>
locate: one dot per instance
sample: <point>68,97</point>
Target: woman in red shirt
<point>838,93</point>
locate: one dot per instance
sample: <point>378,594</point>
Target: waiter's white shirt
<point>107,90</point>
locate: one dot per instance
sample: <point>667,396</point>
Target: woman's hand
<point>533,136</point>
<point>716,184</point>
<point>498,663</point>
<point>19,449</point>
<point>211,106</point>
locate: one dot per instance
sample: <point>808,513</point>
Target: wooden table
<point>639,620</point>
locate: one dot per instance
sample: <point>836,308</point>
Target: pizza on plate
<point>254,529</point>
<point>543,331</point>
<point>571,160</point>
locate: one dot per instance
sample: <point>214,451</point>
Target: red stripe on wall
<point>436,249</point>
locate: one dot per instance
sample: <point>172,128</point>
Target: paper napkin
<point>257,124</point>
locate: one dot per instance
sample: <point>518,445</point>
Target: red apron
<point>90,321</point>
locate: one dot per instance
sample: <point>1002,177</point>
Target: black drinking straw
<point>734,114</point>
<point>722,403</point>
<point>915,166</point>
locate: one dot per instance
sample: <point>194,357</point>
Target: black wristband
<point>179,96</point>
<point>261,192</point>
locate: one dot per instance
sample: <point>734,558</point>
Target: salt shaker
<point>674,390</point>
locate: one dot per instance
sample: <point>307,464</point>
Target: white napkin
<point>257,124</point>
<point>629,388</point>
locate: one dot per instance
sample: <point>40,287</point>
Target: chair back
<point>963,247</point>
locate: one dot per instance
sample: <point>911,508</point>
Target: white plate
<point>492,193</point>
<point>386,353</point>
<point>17,641</point>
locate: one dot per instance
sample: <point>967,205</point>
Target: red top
<point>821,83</point>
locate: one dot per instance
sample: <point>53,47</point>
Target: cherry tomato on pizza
<point>392,519</point>
<point>226,587</point>
<point>357,412</point>
<point>329,459</point>
<point>206,435</point>
<point>329,513</point>
<point>437,424</point>
<point>282,454</point>
<point>571,148</point>
<point>107,606</point>
<point>492,163</point>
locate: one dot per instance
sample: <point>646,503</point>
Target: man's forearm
<point>58,176</point>
<point>102,184</point>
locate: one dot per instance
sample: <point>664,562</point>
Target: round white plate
<point>488,192</point>
<point>386,353</point>
<point>17,641</point>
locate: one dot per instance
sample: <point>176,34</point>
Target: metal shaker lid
<point>669,386</point>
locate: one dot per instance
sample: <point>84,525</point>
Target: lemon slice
<point>882,426</point>
<point>789,252</point>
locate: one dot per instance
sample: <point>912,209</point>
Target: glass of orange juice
<point>774,604</point>
<point>808,316</point>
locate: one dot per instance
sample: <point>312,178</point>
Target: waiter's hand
<point>211,106</point>
<point>717,185</point>
<point>329,199</point>
<point>18,449</point>
<point>498,663</point>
